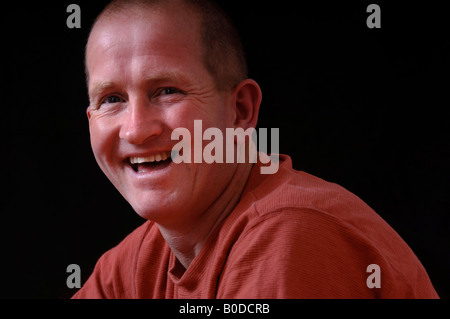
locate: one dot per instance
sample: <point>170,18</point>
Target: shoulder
<point>292,253</point>
<point>307,198</point>
<point>302,237</point>
<point>291,188</point>
<point>302,253</point>
<point>313,202</point>
<point>114,272</point>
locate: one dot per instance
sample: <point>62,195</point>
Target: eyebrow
<point>101,86</point>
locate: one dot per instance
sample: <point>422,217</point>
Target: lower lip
<point>148,173</point>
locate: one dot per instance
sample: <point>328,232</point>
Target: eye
<point>112,99</point>
<point>168,91</point>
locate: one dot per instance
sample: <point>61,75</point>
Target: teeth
<point>150,159</point>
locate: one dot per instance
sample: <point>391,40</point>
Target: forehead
<point>148,33</point>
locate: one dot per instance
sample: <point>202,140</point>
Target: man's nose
<point>141,122</point>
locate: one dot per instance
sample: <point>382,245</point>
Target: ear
<point>248,98</point>
<point>88,112</point>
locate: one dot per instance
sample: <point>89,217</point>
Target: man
<point>220,230</point>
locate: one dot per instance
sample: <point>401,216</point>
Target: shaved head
<point>222,52</point>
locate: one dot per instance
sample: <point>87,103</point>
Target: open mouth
<point>152,162</point>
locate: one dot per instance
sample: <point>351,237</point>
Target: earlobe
<point>248,98</point>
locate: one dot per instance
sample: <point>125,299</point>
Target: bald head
<point>220,48</point>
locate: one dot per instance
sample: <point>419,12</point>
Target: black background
<point>364,108</point>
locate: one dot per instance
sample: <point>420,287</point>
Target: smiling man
<point>220,230</point>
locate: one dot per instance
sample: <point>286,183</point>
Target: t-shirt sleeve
<point>114,273</point>
<point>307,254</point>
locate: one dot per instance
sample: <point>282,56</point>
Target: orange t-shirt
<point>292,235</point>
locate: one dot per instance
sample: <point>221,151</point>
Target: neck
<point>187,242</point>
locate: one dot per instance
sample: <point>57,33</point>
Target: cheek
<point>213,113</point>
<point>102,141</point>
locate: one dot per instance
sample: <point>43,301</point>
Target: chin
<point>156,210</point>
